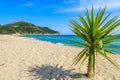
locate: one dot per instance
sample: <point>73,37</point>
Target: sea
<point>66,40</point>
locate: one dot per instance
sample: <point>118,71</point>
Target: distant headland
<point>26,28</point>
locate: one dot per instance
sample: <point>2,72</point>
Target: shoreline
<point>58,43</point>
<point>18,55</point>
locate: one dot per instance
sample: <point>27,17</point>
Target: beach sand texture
<point>27,59</point>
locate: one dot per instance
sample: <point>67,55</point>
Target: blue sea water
<point>64,40</point>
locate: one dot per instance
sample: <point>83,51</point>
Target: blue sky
<point>52,13</point>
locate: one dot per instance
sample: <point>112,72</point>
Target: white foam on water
<point>59,43</point>
<point>33,38</point>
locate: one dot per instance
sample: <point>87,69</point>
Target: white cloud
<point>48,7</point>
<point>114,4</point>
<point>70,1</point>
<point>28,4</point>
<point>111,4</point>
<point>52,6</point>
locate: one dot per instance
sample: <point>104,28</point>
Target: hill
<point>23,27</point>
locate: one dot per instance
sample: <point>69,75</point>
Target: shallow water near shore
<point>64,40</point>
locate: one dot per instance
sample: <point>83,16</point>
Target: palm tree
<point>95,32</point>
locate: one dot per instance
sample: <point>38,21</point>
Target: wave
<point>59,43</point>
<point>33,38</point>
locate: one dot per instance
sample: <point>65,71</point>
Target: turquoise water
<point>64,40</point>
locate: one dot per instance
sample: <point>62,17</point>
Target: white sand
<point>21,58</point>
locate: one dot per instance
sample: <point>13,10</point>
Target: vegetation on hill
<point>22,27</point>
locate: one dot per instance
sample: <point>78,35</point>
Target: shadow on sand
<point>47,72</point>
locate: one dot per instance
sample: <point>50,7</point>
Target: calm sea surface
<point>64,40</point>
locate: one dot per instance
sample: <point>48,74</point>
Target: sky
<point>54,14</point>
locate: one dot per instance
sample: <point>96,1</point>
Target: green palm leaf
<point>110,38</point>
<point>95,32</point>
<point>78,43</point>
<point>109,59</point>
<point>80,56</point>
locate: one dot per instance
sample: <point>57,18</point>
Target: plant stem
<point>90,64</point>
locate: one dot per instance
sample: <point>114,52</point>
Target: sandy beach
<point>27,59</point>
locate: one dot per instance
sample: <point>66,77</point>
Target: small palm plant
<point>95,32</point>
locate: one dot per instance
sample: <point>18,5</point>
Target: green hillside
<point>23,27</point>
